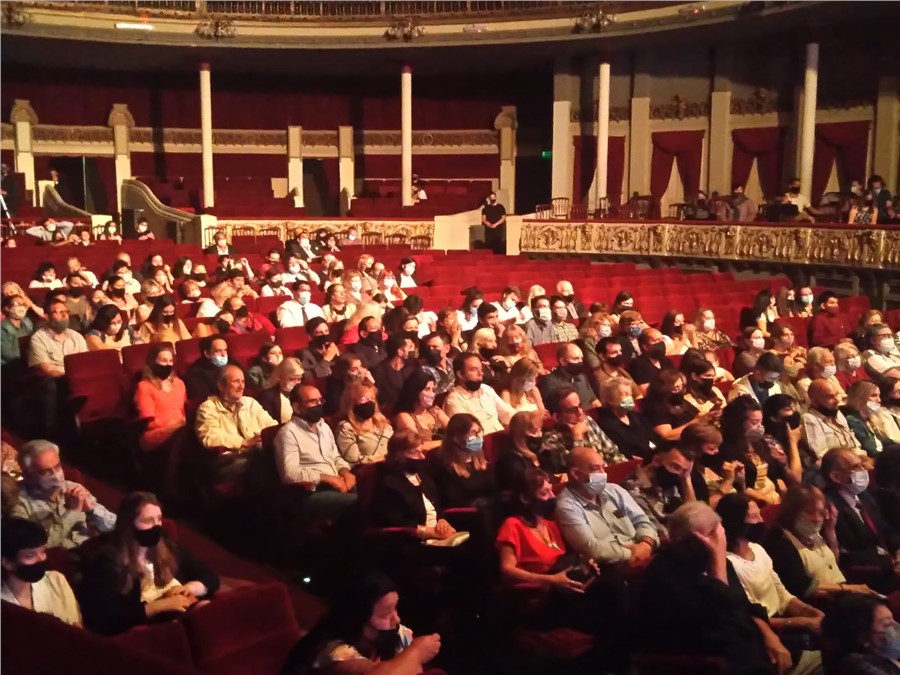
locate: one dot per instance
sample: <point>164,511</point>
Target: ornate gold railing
<point>788,243</point>
<point>344,9</point>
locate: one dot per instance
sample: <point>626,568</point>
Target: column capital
<point>407,69</point>
<point>22,112</point>
<point>204,65</point>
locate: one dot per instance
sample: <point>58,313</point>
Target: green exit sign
<point>546,154</point>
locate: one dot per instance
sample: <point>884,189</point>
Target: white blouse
<point>819,561</point>
<point>51,595</point>
<point>760,581</point>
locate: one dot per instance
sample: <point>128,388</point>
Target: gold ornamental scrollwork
<point>388,228</point>
<point>786,243</point>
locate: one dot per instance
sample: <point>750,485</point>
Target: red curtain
<point>846,142</point>
<point>685,147</point>
<point>586,167</point>
<point>766,146</point>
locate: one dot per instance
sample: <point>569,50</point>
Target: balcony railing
<point>328,10</point>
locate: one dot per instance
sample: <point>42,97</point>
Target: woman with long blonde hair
<point>521,391</point>
<point>515,345</point>
<point>363,433</point>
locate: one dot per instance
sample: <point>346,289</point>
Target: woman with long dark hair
<point>460,468</point>
<point>108,330</point>
<point>163,324</point>
<point>362,634</point>
<point>137,574</point>
<point>416,410</point>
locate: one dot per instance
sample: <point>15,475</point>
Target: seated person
<point>736,207</point>
<point>662,483</point>
<point>161,397</point>
<point>882,358</point>
<point>417,412</point>
<point>762,381</point>
<point>513,346</point>
<point>26,580</point>
<point>435,351</point>
<point>202,377</point>
<point>625,426</point>
<point>827,327</point>
<point>136,575</point>
<point>665,407</point>
<point>274,277</point>
<point>569,373</point>
<point>539,328</point>
<point>708,337</point>
<point>700,390</point>
<point>518,451</point>
<point>752,345</point>
<point>50,345</point>
<point>363,432</point>
<point>370,348</point>
<point>162,325</point>
<point>472,396</point>
<point>66,510</point>
<point>404,494</point>
<point>306,453</point>
<point>348,368</point>
<point>862,636</point>
<point>393,370</point>
<point>887,486</point>
<point>362,634</point>
<point>863,536</point>
<point>521,391</point>
<point>300,310</point>
<point>599,520</point>
<point>820,365</point>
<point>744,529</point>
<point>264,365</point>
<point>710,479</point>
<point>678,336</point>
<point>873,431</point>
<point>459,468</point>
<point>321,354</point>
<point>230,421</point>
<point>804,548</point>
<point>561,320</point>
<point>646,368</point>
<point>824,426</point>
<point>15,325</point>
<point>274,398</point>
<point>610,364</point>
<point>849,365</point>
<point>692,603</point>
<point>572,429</point>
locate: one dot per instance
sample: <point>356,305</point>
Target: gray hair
<point>33,449</point>
<point>692,517</point>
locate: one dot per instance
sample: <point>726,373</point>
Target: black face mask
<point>198,277</point>
<point>242,312</point>
<point>676,398</point>
<point>568,298</point>
<point>545,508</point>
<point>765,384</point>
<point>534,443</point>
<point>471,385</point>
<point>31,573</point>
<point>117,292</point>
<point>616,361</point>
<point>386,643</point>
<point>160,371</point>
<point>372,339</point>
<point>706,386</point>
<point>148,538</point>
<point>364,411</point>
<point>665,479</point>
<point>574,368</point>
<point>311,415</point>
<point>414,465</point>
<point>487,352</point>
<point>433,356</point>
<point>828,412</point>
<point>75,292</point>
<point>168,318</point>
<point>755,532</point>
<point>223,326</point>
<point>678,331</point>
<point>794,420</point>
<point>657,351</point>
<point>320,341</point>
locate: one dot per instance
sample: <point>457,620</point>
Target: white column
<point>562,149</point>
<point>209,199</point>
<point>808,121</point>
<point>406,136</point>
<point>295,165</point>
<point>346,168</point>
<point>886,142</point>
<point>602,132</point>
<point>24,119</point>
<point>121,121</point>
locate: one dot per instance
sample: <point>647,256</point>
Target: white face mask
<point>886,345</point>
<point>409,269</point>
<point>757,343</point>
<point>509,304</point>
<point>709,324</point>
<point>543,313</point>
<point>829,371</point>
<point>389,283</point>
<point>528,385</point>
<point>604,331</point>
<point>873,406</point>
<point>303,297</point>
<point>806,299</point>
<point>356,285</point>
<point>854,362</point>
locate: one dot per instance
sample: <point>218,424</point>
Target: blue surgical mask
<point>635,330</point>
<point>219,361</point>
<point>596,484</point>
<point>627,403</point>
<point>891,648</point>
<point>474,444</point>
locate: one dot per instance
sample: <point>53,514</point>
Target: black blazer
<point>857,541</point>
<point>212,250</point>
<point>292,247</point>
<point>270,399</point>
<point>396,502</point>
<point>788,564</point>
<point>632,439</point>
<point>105,608</point>
<point>202,379</point>
<point>510,468</point>
<point>369,356</point>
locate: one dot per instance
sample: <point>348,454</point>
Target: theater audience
<point>45,277</point>
<point>363,633</point>
<point>348,368</point>
<point>849,365</point>
<point>753,343</point>
<point>863,406</point>
<point>417,411</point>
<point>50,345</point>
<point>108,330</point>
<point>645,368</point>
<point>319,357</point>
<point>882,357</point>
<point>665,406</point>
<point>521,391</point>
<point>571,429</point>
<point>370,348</point>
<point>561,320</point>
<point>611,360</point>
<point>26,580</point>
<point>15,325</point>
<point>397,366</point>
<point>472,396</point>
<point>407,273</point>
<point>700,387</point>
<point>136,575</point>
<point>434,351</point>
<point>625,426</point>
<point>519,451</point>
<point>765,463</point>
<point>539,328</point>
<point>203,374</point>
<point>514,345</point>
<point>263,365</point>
<point>274,397</point>
<point>827,327</point>
<point>863,637</point>
<point>575,309</point>
<point>337,306</point>
<point>890,400</point>
<point>363,432</point>
<point>677,335</point>
<point>824,425</point>
<point>160,397</point>
<point>708,337</point>
<point>162,325</point>
<point>599,520</point>
<point>66,510</point>
<point>467,314</point>
<point>761,382</point>
<point>507,306</point>
<point>459,467</point>
<point>569,373</point>
<point>820,364</point>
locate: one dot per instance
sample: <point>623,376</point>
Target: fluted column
<point>603,132</point>
<point>562,149</point>
<point>206,139</point>
<point>808,121</point>
<point>406,135</point>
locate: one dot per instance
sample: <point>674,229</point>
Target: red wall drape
<point>846,142</point>
<point>766,146</point>
<point>683,147</point>
<point>586,166</point>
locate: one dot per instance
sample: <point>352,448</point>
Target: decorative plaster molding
<point>761,102</point>
<point>7,132</point>
<point>620,113</point>
<point>15,15</point>
<point>430,138</point>
<point>216,28</point>
<point>120,114</point>
<point>58,133</point>
<point>383,231</point>
<point>220,137</point>
<point>678,109</point>
<point>327,139</point>
<point>872,248</point>
<point>22,112</point>
<point>507,118</point>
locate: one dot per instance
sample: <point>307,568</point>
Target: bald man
<point>570,372</point>
<point>574,308</point>
<point>824,426</point>
<point>599,520</point>
<point>645,368</point>
<point>229,421</point>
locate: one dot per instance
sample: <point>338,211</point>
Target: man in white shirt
<point>306,454</point>
<point>26,580</point>
<point>75,267</point>
<point>804,206</point>
<point>882,358</point>
<point>47,229</point>
<point>824,426</point>
<point>507,311</point>
<point>300,310</point>
<point>471,395</point>
<point>297,269</point>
